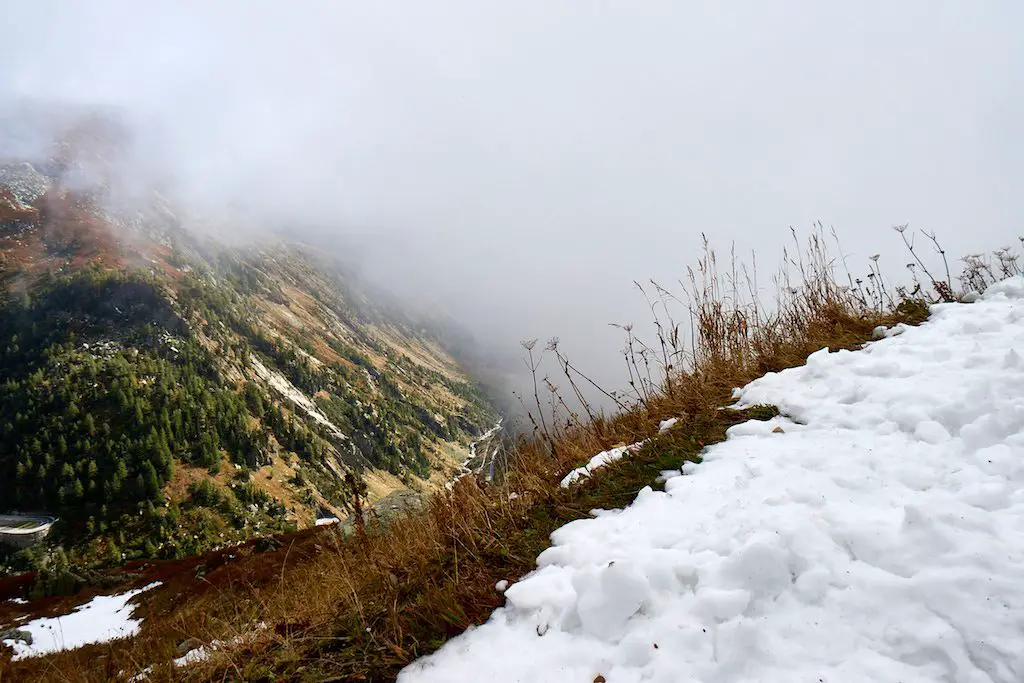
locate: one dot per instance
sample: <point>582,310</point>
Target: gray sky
<point>523,162</point>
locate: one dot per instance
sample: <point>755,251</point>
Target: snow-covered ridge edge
<point>873,538</point>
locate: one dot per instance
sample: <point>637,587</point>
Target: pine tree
<point>89,423</point>
<point>151,482</point>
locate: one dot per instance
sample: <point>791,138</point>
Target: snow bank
<point>878,537</point>
<point>103,618</point>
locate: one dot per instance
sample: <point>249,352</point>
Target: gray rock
<point>187,645</point>
<point>16,635</point>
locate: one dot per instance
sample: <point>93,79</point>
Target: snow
<point>878,537</point>
<point>203,652</point>
<point>200,654</point>
<point>325,521</point>
<point>141,676</point>
<point>103,618</point>
<point>598,461</point>
<point>607,457</point>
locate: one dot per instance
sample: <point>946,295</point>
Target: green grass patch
<point>617,484</point>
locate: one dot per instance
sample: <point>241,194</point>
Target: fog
<point>520,164</point>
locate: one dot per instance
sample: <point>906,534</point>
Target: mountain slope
<point>165,394</point>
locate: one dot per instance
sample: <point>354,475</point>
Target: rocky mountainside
<point>164,394</point>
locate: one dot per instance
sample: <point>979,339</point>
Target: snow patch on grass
<point>104,618</point>
<point>598,461</point>
<point>605,458</point>
<point>203,652</point>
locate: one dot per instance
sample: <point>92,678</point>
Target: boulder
<point>16,635</point>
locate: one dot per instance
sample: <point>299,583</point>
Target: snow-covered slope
<point>105,617</point>
<point>878,537</point>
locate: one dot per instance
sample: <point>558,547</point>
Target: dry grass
<point>361,608</point>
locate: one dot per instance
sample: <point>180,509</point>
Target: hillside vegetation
<point>320,605</point>
<point>165,395</point>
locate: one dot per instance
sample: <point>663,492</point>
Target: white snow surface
<point>103,618</point>
<point>598,461</point>
<point>879,537</point>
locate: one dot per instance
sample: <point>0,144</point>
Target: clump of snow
<point>501,586</point>
<point>881,332</point>
<point>288,390</point>
<point>879,537</point>
<point>666,425</point>
<point>103,618</point>
<point>325,521</point>
<point>203,652</point>
<point>200,654</point>
<point>665,475</point>
<point>607,457</point>
<point>598,461</point>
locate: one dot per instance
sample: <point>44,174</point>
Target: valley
<point>164,394</point>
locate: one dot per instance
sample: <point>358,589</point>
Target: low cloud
<point>521,164</point>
